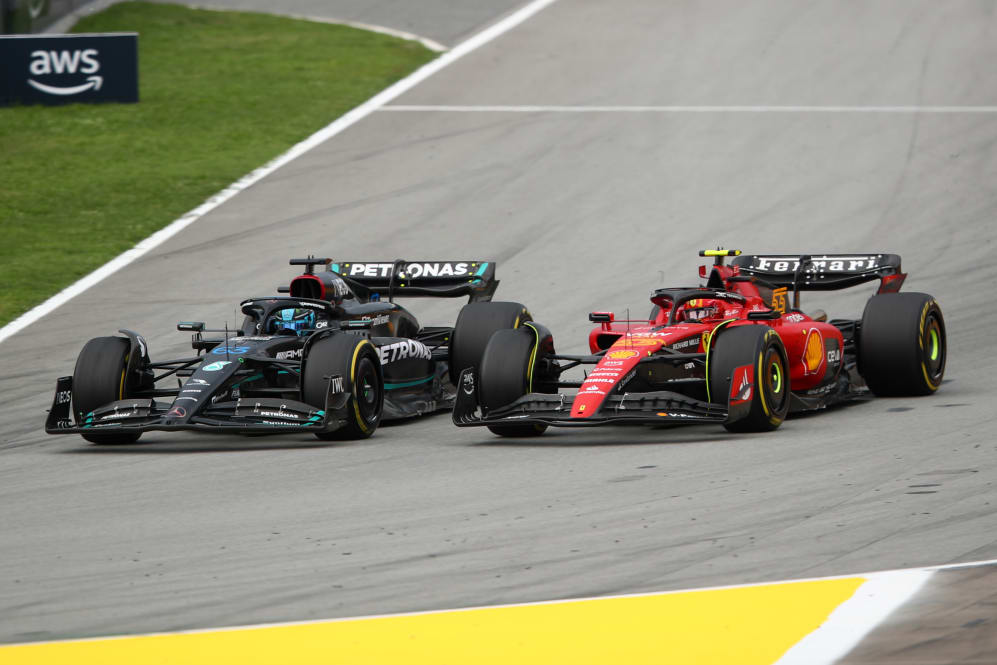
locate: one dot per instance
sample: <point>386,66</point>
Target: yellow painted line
<point>744,625</point>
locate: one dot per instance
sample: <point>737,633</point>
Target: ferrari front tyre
<point>756,357</point>
<point>355,359</point>
<point>475,325</point>
<point>99,379</point>
<point>902,344</point>
<point>506,373</point>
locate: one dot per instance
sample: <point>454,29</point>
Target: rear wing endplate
<point>440,279</point>
<point>825,272</point>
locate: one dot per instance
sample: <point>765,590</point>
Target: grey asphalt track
<point>580,211</point>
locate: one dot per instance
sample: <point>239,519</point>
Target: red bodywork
<point>814,348</point>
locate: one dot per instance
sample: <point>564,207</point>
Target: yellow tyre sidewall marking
<point>745,625</point>
<point>931,385</point>
<point>353,370</point>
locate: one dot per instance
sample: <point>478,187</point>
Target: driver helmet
<point>293,319</point>
<point>699,309</point>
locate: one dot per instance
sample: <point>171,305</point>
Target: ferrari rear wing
<point>825,272</point>
<point>440,279</point>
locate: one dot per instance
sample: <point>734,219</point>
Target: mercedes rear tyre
<point>902,344</point>
<point>355,359</point>
<point>99,379</point>
<point>476,324</point>
<point>755,358</point>
<point>506,374</point>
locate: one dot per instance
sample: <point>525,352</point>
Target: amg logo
<point>410,270</point>
<point>408,348</point>
<point>288,355</point>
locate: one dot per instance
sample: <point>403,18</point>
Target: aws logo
<point>84,61</point>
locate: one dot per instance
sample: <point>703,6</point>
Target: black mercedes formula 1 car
<point>333,357</point>
<point>731,351</point>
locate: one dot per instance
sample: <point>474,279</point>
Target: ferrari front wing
<point>555,409</point>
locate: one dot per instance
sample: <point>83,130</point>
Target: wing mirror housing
<point>605,318</point>
<point>764,315</point>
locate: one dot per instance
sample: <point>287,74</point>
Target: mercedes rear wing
<point>825,272</point>
<point>440,279</point>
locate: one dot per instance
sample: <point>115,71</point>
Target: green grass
<point>221,94</point>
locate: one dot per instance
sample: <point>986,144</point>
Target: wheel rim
<point>774,380</point>
<point>933,350</point>
<point>366,390</point>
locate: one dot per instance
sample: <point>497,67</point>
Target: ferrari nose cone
<point>621,358</point>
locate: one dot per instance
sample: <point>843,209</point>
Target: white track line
<point>319,137</point>
<point>855,618</point>
<point>412,108</point>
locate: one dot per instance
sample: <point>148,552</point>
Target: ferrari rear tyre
<point>475,325</point>
<point>356,360</point>
<point>902,344</point>
<point>99,378</point>
<point>505,376</point>
<point>759,353</point>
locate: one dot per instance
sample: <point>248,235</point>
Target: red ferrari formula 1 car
<point>734,351</point>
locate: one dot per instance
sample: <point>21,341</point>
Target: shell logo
<point>637,341</point>
<point>622,355</point>
<point>813,352</point>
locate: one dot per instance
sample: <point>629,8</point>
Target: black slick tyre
<point>356,360</point>
<point>99,378</point>
<point>902,345</point>
<point>505,376</point>
<point>475,325</point>
<point>762,349</point>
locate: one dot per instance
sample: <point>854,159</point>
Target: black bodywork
<point>250,380</point>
